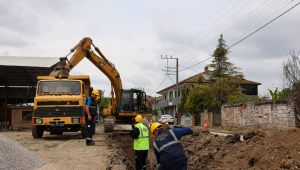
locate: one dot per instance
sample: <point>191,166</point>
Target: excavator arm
<point>82,50</point>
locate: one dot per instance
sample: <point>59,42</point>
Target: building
<point>154,101</point>
<point>169,94</point>
<point>18,79</point>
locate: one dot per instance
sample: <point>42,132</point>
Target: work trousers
<point>140,159</point>
<point>181,165</point>
<point>90,129</point>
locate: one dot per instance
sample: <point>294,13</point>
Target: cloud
<point>6,53</point>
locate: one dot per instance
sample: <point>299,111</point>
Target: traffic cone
<point>150,122</point>
<point>167,122</point>
<point>205,124</point>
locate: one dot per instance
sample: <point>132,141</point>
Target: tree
<point>199,98</point>
<point>224,72</point>
<point>227,90</point>
<point>103,104</point>
<point>220,62</point>
<point>199,81</point>
<point>181,107</point>
<point>291,70</point>
<point>154,111</point>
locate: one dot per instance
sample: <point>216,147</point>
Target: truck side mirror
<point>29,92</point>
<point>90,91</point>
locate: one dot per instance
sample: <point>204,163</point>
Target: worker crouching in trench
<point>168,148</point>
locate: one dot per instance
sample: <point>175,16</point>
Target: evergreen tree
<point>200,81</point>
<point>181,107</point>
<point>220,63</point>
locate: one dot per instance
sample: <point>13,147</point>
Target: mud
<point>259,150</point>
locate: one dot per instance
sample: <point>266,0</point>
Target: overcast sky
<point>134,34</point>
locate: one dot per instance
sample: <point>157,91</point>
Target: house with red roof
<point>169,94</point>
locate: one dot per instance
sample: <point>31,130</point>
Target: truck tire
<point>109,125</point>
<point>37,131</point>
<point>59,133</point>
<point>83,132</point>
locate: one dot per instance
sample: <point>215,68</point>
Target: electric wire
<point>194,32</point>
<point>210,25</point>
<point>230,29</point>
<point>158,86</point>
<point>247,35</point>
<point>241,39</point>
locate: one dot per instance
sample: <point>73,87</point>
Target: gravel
<point>16,157</point>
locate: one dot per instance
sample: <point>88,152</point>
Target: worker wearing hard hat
<point>140,134</point>
<point>90,114</point>
<point>168,148</point>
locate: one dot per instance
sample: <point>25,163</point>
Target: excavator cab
<point>133,101</point>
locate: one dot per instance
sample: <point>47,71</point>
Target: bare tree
<point>291,71</point>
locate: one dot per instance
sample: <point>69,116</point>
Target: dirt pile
<point>280,150</point>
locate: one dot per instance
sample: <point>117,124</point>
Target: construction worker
<point>140,134</point>
<point>168,148</point>
<point>90,114</point>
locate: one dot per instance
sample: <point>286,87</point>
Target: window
<point>250,89</point>
<point>125,102</point>
<point>26,115</point>
<point>59,87</point>
<point>179,93</point>
<point>171,95</point>
<point>165,97</point>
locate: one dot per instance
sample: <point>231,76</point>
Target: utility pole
<point>167,73</point>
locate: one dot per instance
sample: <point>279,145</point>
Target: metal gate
<point>216,110</point>
<point>217,117</point>
<point>198,119</point>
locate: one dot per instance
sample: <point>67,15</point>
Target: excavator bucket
<point>60,69</point>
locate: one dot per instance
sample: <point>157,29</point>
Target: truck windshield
<point>59,87</point>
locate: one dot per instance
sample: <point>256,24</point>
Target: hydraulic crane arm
<point>83,49</point>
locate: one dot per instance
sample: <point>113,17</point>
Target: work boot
<point>90,144</point>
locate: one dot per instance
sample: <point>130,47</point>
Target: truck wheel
<point>83,132</point>
<point>59,133</point>
<point>37,131</point>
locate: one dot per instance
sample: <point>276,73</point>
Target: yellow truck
<point>59,105</point>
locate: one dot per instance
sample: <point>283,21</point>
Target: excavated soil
<point>280,150</point>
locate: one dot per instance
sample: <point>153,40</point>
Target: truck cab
<point>59,105</point>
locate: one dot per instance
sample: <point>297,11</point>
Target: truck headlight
<point>38,121</point>
<point>75,120</point>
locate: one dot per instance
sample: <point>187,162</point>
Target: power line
<point>211,24</point>
<point>171,79</point>
<point>195,64</point>
<point>247,35</point>
<point>196,31</point>
<point>211,42</point>
<point>265,25</point>
<point>158,86</point>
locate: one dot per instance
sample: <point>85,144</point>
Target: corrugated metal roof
<point>28,61</point>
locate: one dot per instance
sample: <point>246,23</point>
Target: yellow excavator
<point>125,104</point>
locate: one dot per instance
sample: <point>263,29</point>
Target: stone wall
<point>272,114</point>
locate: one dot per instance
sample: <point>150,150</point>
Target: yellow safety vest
<point>142,142</point>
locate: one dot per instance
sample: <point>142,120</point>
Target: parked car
<point>165,118</point>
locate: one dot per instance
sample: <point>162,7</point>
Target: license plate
<point>57,124</point>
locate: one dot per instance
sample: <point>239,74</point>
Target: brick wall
<point>273,114</point>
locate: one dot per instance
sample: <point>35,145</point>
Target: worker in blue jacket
<point>168,148</point>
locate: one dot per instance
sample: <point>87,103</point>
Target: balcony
<point>174,101</point>
<point>164,103</point>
